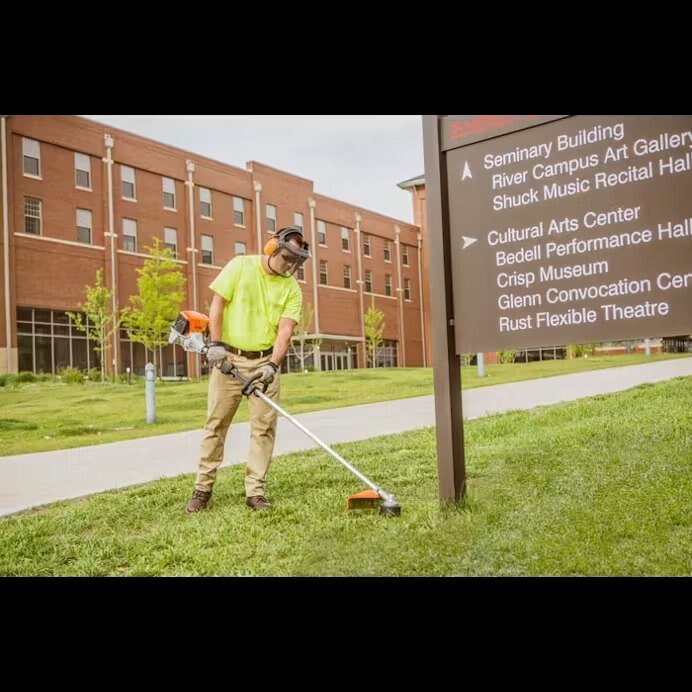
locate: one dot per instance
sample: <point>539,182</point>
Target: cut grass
<point>598,487</point>
<point>46,416</point>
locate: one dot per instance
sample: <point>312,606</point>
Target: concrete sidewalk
<point>30,480</point>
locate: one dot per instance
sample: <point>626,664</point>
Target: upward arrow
<point>468,241</point>
<point>467,171</point>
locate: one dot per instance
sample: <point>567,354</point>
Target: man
<point>257,303</point>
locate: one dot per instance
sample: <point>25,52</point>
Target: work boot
<point>258,502</point>
<point>199,500</point>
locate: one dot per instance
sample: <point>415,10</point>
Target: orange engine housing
<point>191,322</point>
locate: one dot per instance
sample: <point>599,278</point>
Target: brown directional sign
<point>569,230</point>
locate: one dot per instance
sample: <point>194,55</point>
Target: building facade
<point>78,197</point>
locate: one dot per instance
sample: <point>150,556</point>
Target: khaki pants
<point>225,393</point>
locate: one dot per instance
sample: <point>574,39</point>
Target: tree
<point>302,346</point>
<point>99,325</point>
<point>374,329</point>
<point>151,312</point>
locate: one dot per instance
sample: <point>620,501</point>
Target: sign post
<point>559,230</point>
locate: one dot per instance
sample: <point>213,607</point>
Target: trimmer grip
<point>249,385</point>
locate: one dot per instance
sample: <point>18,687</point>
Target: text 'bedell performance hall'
<point>78,197</point>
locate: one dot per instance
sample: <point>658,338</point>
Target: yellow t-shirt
<point>256,302</point>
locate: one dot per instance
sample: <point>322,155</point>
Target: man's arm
<point>283,339</point>
<point>218,304</point>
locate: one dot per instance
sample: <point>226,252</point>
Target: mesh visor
<point>288,257</point>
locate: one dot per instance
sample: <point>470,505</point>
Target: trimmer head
<point>389,508</point>
<point>369,499</point>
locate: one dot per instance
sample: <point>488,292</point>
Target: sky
<point>357,159</point>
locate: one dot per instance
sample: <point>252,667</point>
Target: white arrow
<point>467,171</point>
<point>468,241</point>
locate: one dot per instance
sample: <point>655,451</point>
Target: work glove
<point>215,355</point>
<point>265,374</point>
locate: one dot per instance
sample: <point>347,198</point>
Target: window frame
<point>167,244</point>
<point>348,278</point>
<point>271,227</point>
<point>239,213</point>
<point>89,228</point>
<point>30,216</point>
<point>168,192</point>
<point>205,202</point>
<point>124,182</point>
<point>322,233</point>
<point>345,239</point>
<point>206,251</point>
<point>86,159</point>
<point>130,236</point>
<point>367,280</point>
<point>27,150</point>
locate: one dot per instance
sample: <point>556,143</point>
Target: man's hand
<point>215,355</point>
<point>265,375</point>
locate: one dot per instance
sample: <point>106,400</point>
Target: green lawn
<point>599,486</point>
<point>38,417</point>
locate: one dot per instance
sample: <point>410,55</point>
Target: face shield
<point>290,253</point>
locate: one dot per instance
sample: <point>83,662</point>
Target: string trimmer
<point>190,331</point>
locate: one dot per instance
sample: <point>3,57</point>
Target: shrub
<point>94,375</point>
<point>25,376</point>
<point>506,357</point>
<point>72,375</point>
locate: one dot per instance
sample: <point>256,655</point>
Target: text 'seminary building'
<point>78,197</point>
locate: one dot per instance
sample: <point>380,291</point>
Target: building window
<point>388,284</point>
<point>239,211</point>
<point>407,289</point>
<point>207,249</point>
<point>205,202</point>
<point>271,218</point>
<point>298,220</point>
<point>32,215</point>
<point>31,150</point>
<point>130,235</point>
<point>127,182</point>
<point>368,280</point>
<point>347,277</point>
<point>345,239</point>
<point>404,255</point>
<point>321,233</point>
<point>300,274</point>
<point>366,245</point>
<point>169,193</point>
<point>239,248</point>
<point>82,171</point>
<point>48,342</point>
<point>387,251</point>
<point>84,226</point>
<point>386,355</point>
<point>170,240</point>
<point>323,272</point>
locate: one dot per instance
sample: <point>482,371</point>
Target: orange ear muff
<point>271,246</point>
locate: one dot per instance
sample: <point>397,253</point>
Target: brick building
<point>78,196</point>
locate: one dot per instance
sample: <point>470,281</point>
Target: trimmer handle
<point>249,386</point>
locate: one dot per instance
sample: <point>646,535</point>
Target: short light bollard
<point>480,361</point>
<point>150,392</point>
